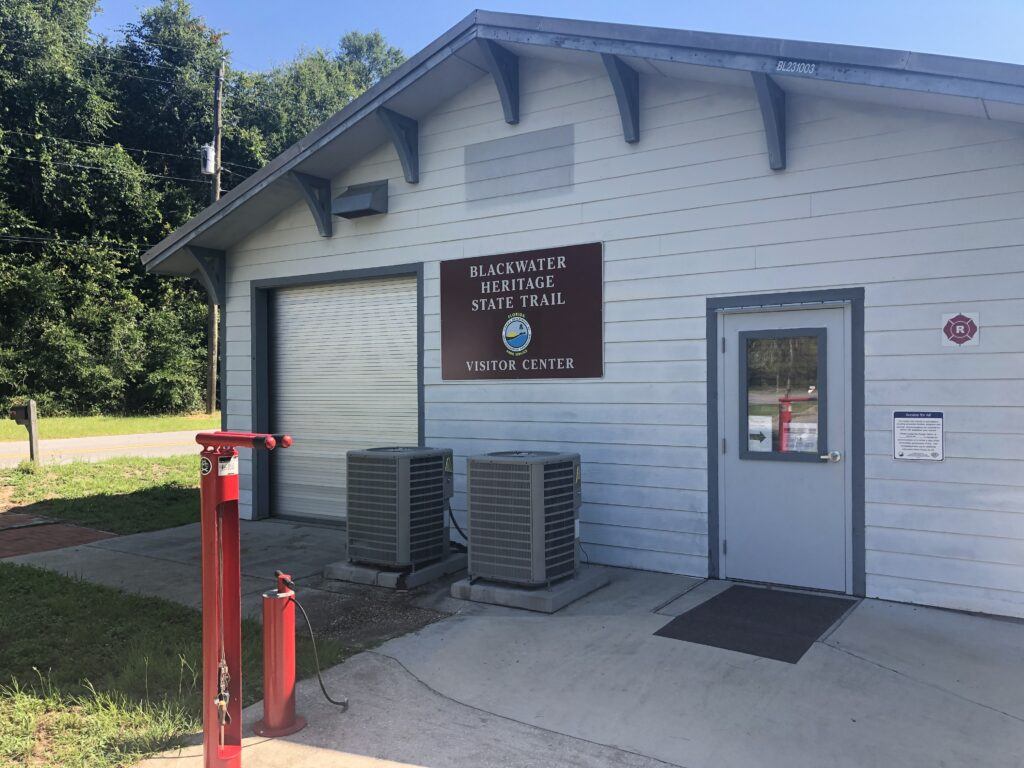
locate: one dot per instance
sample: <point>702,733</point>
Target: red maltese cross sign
<point>960,330</point>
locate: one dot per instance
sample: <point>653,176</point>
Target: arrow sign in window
<point>759,433</point>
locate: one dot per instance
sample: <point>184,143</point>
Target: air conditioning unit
<point>523,507</point>
<point>397,501</point>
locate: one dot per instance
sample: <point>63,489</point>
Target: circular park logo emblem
<point>516,333</point>
<point>205,466</point>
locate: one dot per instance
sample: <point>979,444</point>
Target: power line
<point>187,50</point>
<point>150,42</point>
<point>159,65</point>
<point>94,68</point>
<point>102,51</point>
<point>40,240</point>
<point>99,168</point>
<point>112,146</point>
<point>116,46</point>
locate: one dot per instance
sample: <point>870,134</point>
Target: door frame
<point>261,319</point>
<point>854,298</point>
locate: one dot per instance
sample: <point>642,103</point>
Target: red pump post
<point>279,718</point>
<point>222,594</point>
<point>786,418</point>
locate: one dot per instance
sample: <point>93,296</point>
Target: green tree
<point>99,148</point>
<point>367,57</point>
<point>270,111</point>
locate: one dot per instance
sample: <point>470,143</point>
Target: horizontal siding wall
<point>925,211</point>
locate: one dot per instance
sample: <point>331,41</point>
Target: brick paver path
<point>21,536</point>
<point>13,519</point>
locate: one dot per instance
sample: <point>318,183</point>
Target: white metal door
<point>343,371</point>
<point>785,506</point>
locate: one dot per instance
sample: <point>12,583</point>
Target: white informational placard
<point>227,466</point>
<point>917,435</point>
<point>801,437</point>
<point>759,434</point>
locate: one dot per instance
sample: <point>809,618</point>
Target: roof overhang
<point>988,90</point>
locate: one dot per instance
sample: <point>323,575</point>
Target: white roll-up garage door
<point>343,371</point>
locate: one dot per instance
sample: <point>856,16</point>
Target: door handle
<point>832,457</point>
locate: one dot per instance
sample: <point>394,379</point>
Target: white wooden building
<point>753,199</point>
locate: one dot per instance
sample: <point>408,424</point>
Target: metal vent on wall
<point>361,200</point>
<point>397,499</point>
<point>522,516</point>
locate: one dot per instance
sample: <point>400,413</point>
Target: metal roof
<point>984,89</point>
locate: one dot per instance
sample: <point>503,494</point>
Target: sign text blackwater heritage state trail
<point>529,315</point>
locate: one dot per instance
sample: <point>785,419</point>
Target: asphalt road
<point>96,448</point>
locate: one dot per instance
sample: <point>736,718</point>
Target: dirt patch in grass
<point>360,617</point>
<point>42,738</point>
<point>6,497</point>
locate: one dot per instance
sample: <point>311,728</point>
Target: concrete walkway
<point>70,449</point>
<point>891,685</point>
<point>167,563</point>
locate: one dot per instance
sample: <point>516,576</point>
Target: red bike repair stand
<point>222,593</point>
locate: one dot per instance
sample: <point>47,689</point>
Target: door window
<point>782,394</point>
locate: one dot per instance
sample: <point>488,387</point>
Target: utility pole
<point>218,87</point>
<point>212,341</point>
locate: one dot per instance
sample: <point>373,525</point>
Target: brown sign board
<point>526,315</point>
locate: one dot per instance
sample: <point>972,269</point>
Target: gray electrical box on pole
<point>26,416</point>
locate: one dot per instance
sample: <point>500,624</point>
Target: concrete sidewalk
<point>166,564</point>
<point>70,449</point>
<point>489,687</point>
<point>892,685</point>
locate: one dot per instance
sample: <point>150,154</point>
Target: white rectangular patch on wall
<point>917,435</point>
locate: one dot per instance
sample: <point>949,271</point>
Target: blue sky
<point>267,32</point>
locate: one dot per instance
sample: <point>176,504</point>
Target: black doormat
<point>770,623</point>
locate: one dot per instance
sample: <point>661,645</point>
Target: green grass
<point>100,678</point>
<point>124,495</point>
<point>93,426</point>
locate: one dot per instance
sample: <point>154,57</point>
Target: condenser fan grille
<point>559,519</point>
<point>426,508</point>
<point>372,509</point>
<point>500,532</point>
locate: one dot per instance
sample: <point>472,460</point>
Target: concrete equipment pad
<point>539,599</point>
<point>356,573</point>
